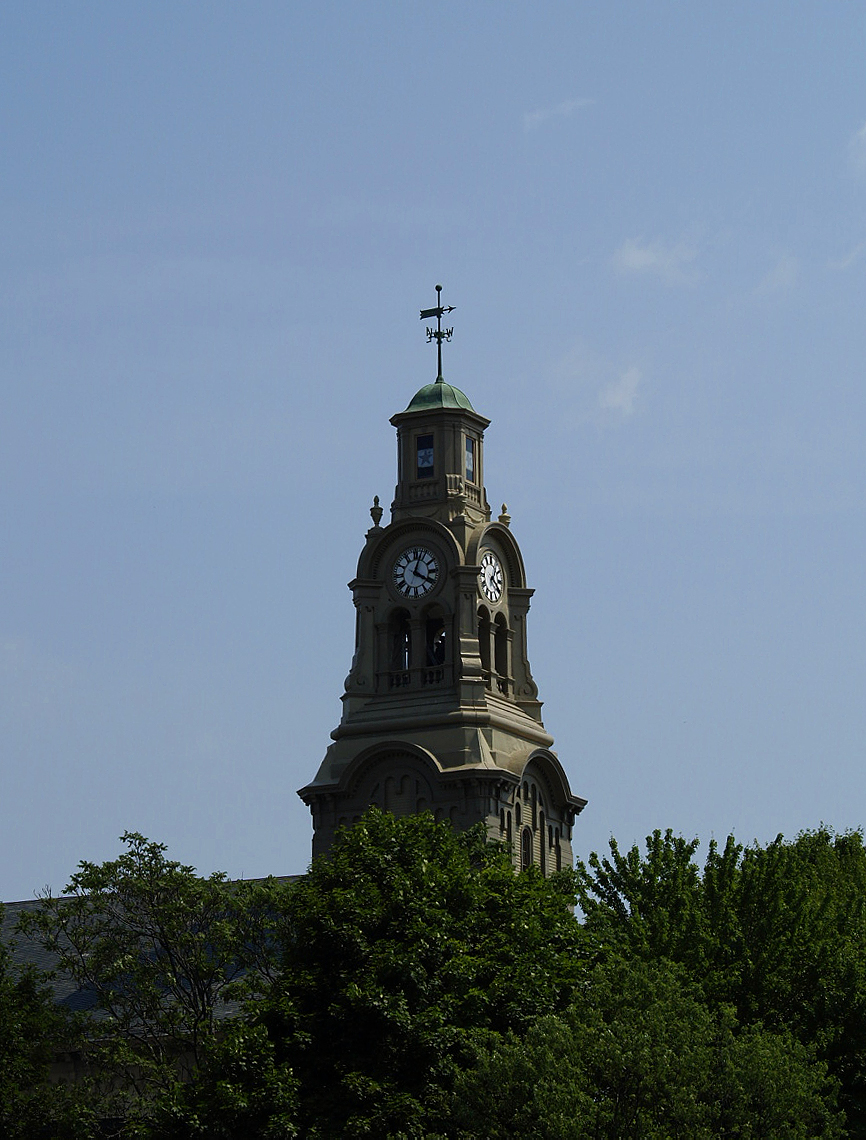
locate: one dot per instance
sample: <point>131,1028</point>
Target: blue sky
<point>217,226</point>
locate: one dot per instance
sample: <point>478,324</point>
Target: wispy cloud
<point>533,119</point>
<point>853,255</point>
<point>857,150</point>
<point>674,264</point>
<point>620,394</point>
<point>781,278</point>
<point>591,388</point>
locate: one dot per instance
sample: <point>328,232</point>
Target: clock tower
<point>440,711</point>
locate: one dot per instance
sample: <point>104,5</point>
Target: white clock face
<point>491,577</point>
<point>416,572</point>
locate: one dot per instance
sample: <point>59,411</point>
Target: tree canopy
<point>642,1055</point>
<point>401,949</point>
<point>412,984</point>
<point>777,932</point>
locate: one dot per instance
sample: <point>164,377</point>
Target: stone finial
<point>505,517</point>
<point>376,511</point>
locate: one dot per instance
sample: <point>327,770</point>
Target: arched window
<point>436,641</point>
<point>484,640</point>
<point>400,639</point>
<point>517,813</point>
<point>436,626</point>
<point>542,845</point>
<point>501,646</point>
<point>525,849</point>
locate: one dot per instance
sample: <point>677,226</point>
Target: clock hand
<point>418,565</point>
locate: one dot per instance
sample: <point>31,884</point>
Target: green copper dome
<point>439,395</point>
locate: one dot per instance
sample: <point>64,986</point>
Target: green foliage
<point>778,932</point>
<point>401,948</point>
<point>413,985</point>
<point>33,1032</point>
<point>641,1056</point>
<point>243,1091</point>
<point>165,954</point>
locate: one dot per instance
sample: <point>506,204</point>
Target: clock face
<point>416,572</point>
<point>491,577</point>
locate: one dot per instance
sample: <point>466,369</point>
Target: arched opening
<point>437,646</point>
<point>436,641</point>
<point>542,844</point>
<point>501,652</point>
<point>484,642</point>
<point>525,849</point>
<point>400,643</point>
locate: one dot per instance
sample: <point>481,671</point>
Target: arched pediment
<point>394,755</point>
<point>498,535</point>
<point>544,766</point>
<point>397,777</point>
<point>376,551</point>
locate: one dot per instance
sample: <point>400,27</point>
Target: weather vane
<point>438,334</point>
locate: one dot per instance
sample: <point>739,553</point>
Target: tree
<point>641,1056</point>
<point>33,1032</point>
<point>401,949</point>
<point>166,955</point>
<point>778,932</point>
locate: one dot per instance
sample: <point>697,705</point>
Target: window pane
<point>425,456</point>
<point>470,459</point>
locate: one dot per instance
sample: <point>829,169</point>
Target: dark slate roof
<point>26,951</point>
